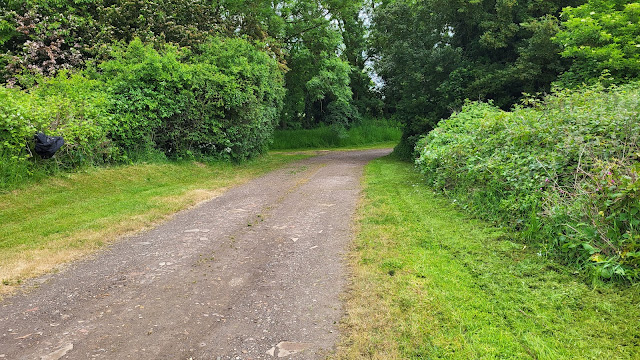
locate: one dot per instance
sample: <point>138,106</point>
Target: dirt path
<point>253,274</point>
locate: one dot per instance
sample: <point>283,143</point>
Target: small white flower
<point>592,13</point>
<point>227,149</point>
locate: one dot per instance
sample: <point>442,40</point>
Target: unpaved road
<point>256,273</point>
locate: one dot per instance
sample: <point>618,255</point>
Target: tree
<point>443,52</point>
<point>317,75</point>
<point>601,36</point>
<point>353,19</point>
<point>43,36</point>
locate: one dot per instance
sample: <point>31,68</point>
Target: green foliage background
<point>125,80</point>
<point>443,52</point>
<point>176,78</point>
<point>601,37</point>
<point>319,44</point>
<point>222,102</point>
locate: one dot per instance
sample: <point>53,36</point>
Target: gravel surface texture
<point>255,273</point>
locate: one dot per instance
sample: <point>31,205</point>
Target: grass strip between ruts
<point>429,282</point>
<point>67,216</point>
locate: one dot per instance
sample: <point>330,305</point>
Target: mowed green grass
<point>57,220</point>
<point>431,283</point>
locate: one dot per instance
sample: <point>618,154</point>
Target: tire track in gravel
<point>256,273</point>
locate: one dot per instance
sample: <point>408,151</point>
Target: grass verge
<point>431,283</point>
<point>370,133</point>
<point>68,216</point>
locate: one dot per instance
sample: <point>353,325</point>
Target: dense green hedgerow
<point>222,102</point>
<point>219,100</point>
<point>564,172</point>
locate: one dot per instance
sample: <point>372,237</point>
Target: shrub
<point>16,122</point>
<point>564,172</point>
<point>252,98</point>
<point>222,101</point>
<point>70,106</point>
<point>75,107</point>
<point>146,88</point>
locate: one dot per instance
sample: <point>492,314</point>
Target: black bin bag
<point>46,146</point>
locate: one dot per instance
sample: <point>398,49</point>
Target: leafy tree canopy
<point>443,52</point>
<point>319,43</point>
<point>601,37</point>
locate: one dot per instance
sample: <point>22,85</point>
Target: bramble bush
<point>562,171</point>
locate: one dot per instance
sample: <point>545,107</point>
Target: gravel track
<point>255,273</point>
